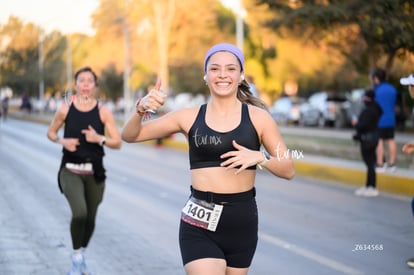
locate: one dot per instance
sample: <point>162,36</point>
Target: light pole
<point>125,30</point>
<point>239,27</point>
<point>127,95</point>
<point>240,14</point>
<point>40,65</point>
<point>68,65</point>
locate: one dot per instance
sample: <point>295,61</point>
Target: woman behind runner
<point>82,174</point>
<point>219,225</point>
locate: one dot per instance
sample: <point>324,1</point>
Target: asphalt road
<point>305,226</point>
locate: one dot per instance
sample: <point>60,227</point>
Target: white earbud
<point>205,77</point>
<point>242,77</point>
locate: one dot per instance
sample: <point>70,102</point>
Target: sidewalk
<point>400,182</point>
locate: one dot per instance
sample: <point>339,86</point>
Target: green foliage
<point>20,73</point>
<point>111,83</point>
<point>226,21</point>
<point>188,78</point>
<point>20,66</point>
<point>385,26</point>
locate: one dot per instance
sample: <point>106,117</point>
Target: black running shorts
<point>236,236</point>
<point>386,133</point>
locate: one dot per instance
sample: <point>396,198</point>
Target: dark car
<point>324,109</point>
<point>286,111</point>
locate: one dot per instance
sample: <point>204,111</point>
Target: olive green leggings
<point>84,195</point>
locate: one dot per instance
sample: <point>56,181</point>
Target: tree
<point>110,83</point>
<point>375,28</point>
<point>19,59</point>
<point>18,65</point>
<point>164,36</point>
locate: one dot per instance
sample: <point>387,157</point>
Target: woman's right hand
<point>70,144</point>
<point>153,100</point>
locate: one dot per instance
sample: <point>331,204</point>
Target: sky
<point>67,16</point>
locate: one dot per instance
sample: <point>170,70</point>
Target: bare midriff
<point>222,180</point>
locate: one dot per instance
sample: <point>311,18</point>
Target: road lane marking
<point>309,254</point>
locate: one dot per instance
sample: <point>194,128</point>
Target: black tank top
<point>206,145</point>
<point>75,122</point>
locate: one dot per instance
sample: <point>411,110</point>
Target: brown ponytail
<point>245,95</point>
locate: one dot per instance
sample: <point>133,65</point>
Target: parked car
<point>354,104</point>
<point>285,110</point>
<point>324,109</point>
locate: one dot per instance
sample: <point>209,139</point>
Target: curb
<point>386,182</point>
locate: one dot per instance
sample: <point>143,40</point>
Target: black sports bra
<point>207,145</point>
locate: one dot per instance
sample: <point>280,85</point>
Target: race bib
<point>80,168</point>
<point>202,214</point>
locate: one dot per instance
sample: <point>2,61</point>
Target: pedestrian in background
<point>366,128</point>
<point>224,137</point>
<point>408,147</point>
<point>386,97</point>
<point>5,107</point>
<point>26,105</point>
<point>82,174</point>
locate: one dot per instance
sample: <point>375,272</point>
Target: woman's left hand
<point>242,157</point>
<point>91,135</point>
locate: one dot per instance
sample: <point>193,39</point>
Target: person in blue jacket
<point>386,97</point>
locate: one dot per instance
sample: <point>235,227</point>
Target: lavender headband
<point>224,47</point>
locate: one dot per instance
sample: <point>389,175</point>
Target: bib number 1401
<point>200,214</point>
